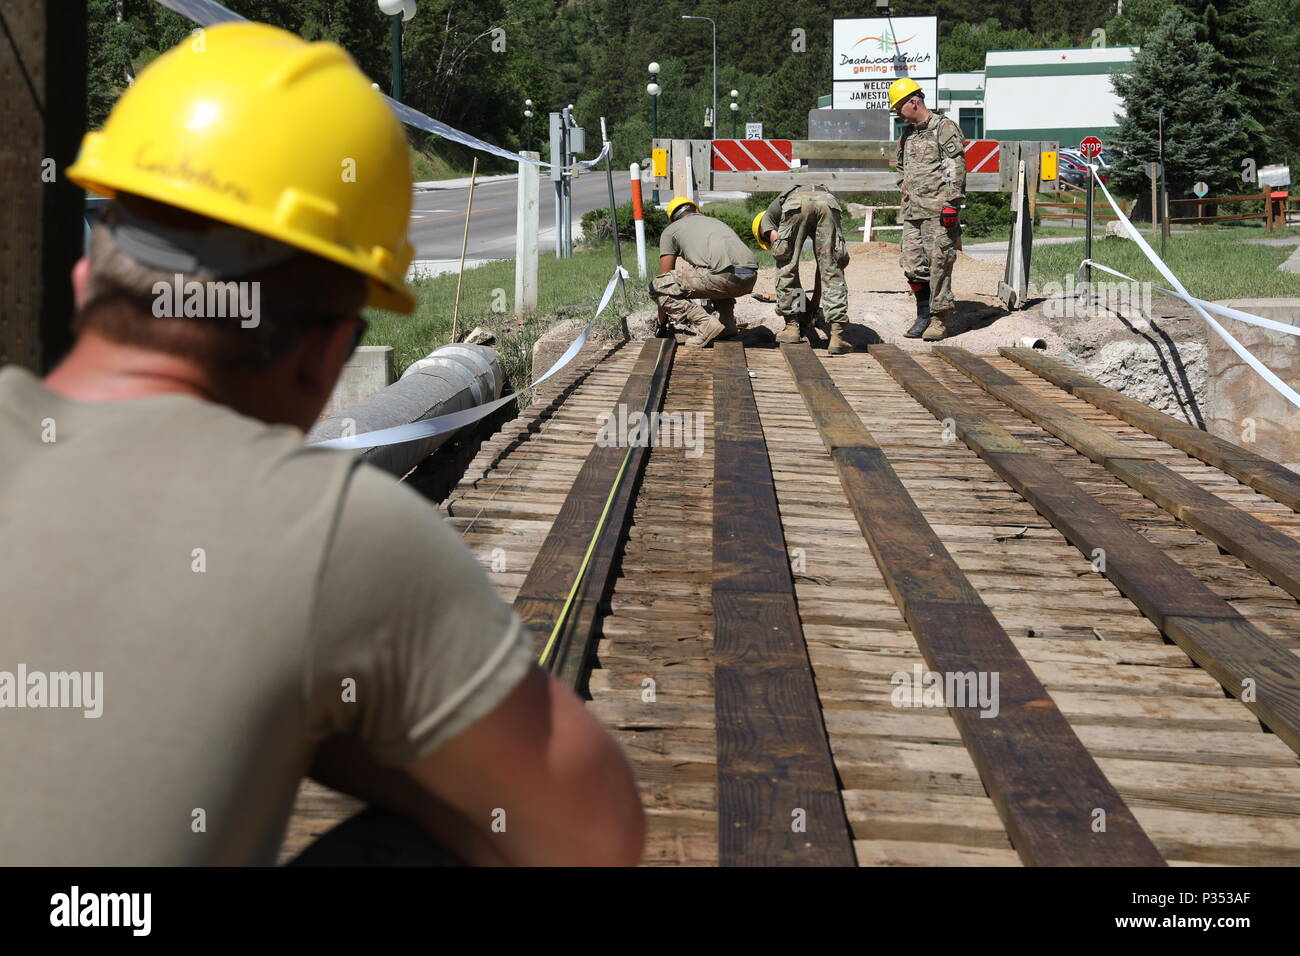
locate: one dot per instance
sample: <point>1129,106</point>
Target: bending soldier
<point>800,213</point>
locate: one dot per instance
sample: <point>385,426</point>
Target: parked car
<point>1072,167</point>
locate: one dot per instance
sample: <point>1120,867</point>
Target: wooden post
<point>464,244</point>
<point>1155,211</point>
<point>527,213</point>
<point>43,114</point>
<point>866,226</point>
<point>683,169</point>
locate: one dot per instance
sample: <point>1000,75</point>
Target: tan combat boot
<point>938,327</point>
<point>792,332</point>
<point>837,345</point>
<point>705,333</point>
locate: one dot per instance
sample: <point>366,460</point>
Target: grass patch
<point>567,288</point>
<point>1212,262</point>
<point>436,159</point>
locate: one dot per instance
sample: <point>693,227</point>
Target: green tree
<point>1176,72</point>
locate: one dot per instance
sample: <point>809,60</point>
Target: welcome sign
<point>869,54</point>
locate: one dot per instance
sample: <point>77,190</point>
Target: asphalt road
<point>438,215</point>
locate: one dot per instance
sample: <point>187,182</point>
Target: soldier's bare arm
<point>666,263</point>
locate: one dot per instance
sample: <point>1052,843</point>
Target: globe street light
<point>654,90</point>
<point>528,124</point>
<point>399,11</point>
<point>735,111</point>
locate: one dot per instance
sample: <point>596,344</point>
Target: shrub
<point>596,224</point>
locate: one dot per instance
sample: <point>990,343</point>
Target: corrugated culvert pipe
<point>450,379</point>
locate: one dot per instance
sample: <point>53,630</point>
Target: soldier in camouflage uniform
<point>701,257</point>
<point>932,178</point>
<point>800,213</point>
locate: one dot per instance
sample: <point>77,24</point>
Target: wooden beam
<point>835,180</point>
<point>1044,783</point>
<point>1260,546</point>
<point>606,485</point>
<point>849,150</point>
<point>1249,664</point>
<point>43,114</point>
<point>1263,474</point>
<point>779,800</point>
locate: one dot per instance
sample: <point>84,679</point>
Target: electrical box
<point>577,140</point>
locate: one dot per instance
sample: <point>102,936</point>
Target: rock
<point>1155,373</point>
<point>642,324</point>
<point>480,336</point>
<point>1116,229</point>
<point>856,210</point>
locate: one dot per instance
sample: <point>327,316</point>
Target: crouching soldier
<point>800,213</point>
<point>701,258</point>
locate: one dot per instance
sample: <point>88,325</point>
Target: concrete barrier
<point>453,378</point>
<point>1239,405</point>
<point>367,371</point>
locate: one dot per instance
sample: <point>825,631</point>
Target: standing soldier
<point>799,213</point>
<point>932,178</point>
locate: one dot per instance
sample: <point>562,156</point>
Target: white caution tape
<point>205,13</point>
<point>1264,371</point>
<point>449,423</point>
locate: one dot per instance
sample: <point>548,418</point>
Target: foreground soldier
<point>238,609</point>
<point>714,264</point>
<point>800,213</point>
<point>932,177</point>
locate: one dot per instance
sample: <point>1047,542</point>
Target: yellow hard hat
<point>678,203</point>
<point>758,236</point>
<point>252,126</point>
<point>900,90</point>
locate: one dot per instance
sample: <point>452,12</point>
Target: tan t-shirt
<point>707,242</point>
<point>240,597</point>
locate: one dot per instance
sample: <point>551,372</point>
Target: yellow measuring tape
<point>591,545</point>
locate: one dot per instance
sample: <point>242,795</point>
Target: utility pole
<point>713,129</point>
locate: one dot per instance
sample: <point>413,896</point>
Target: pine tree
<point>1175,72</point>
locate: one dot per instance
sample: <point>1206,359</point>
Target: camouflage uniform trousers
<point>675,291</point>
<point>806,215</point>
<point>926,254</point>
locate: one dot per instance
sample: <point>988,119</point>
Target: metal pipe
<point>451,379</point>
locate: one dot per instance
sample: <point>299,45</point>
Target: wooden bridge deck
<point>717,728</point>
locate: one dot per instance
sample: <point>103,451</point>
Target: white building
<point>1063,95</point>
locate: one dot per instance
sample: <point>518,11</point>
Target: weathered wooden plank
<point>836,181</point>
<point>1263,474</point>
<point>778,797</point>
<point>608,470</point>
<point>1248,664</point>
<point>1259,545</point>
<point>1041,778</point>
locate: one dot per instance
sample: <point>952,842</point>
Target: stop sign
<point>1090,146</point>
